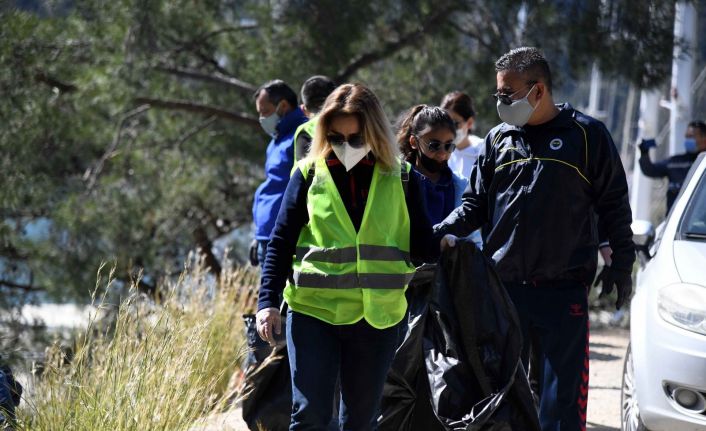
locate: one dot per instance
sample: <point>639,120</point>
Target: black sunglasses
<point>506,99</point>
<point>435,145</point>
<point>355,140</point>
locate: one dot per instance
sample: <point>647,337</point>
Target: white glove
<point>269,320</point>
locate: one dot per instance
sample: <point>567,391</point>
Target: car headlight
<point>683,305</point>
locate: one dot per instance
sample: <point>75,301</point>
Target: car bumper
<point>664,354</point>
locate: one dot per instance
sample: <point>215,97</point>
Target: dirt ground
<point>607,350</point>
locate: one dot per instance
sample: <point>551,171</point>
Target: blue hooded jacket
<point>278,165</point>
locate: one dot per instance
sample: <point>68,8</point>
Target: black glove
<point>611,277</point>
<point>646,144</point>
<point>254,261</point>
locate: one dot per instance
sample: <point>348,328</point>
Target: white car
<point>664,375</point>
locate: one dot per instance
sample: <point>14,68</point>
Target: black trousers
<point>554,322</point>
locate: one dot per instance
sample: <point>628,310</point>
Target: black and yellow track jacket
<point>539,191</point>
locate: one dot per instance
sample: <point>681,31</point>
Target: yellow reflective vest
<point>308,128</point>
<point>341,276</point>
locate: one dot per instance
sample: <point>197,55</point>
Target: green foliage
<point>100,162</point>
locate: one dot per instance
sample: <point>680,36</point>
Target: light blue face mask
<point>269,124</point>
<point>690,145</point>
<point>518,112</point>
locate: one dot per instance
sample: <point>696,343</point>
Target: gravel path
<point>607,350</point>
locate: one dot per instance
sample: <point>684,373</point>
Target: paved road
<point>607,350</point>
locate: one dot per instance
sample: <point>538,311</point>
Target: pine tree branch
<point>473,34</point>
<point>196,130</point>
<point>94,173</point>
<point>21,286</point>
<point>216,77</point>
<point>428,26</point>
<point>188,106</point>
<point>63,87</point>
<point>200,40</point>
<point>223,30</point>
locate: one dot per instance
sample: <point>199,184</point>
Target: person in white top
<point>460,106</point>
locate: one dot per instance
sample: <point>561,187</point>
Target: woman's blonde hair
<point>358,100</point>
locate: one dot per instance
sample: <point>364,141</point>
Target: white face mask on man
<point>269,123</point>
<point>518,112</point>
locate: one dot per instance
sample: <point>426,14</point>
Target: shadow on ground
<point>598,427</point>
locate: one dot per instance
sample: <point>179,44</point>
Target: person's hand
<point>646,144</point>
<point>269,322</point>
<point>254,261</point>
<point>610,278</point>
<point>448,241</point>
<point>606,254</point>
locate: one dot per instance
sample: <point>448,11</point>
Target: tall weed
<point>156,365</point>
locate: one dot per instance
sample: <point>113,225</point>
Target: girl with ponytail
<point>425,135</point>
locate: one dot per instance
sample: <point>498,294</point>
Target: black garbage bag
<point>459,367</point>
<point>266,398</point>
<point>266,394</point>
<point>258,349</point>
<point>406,404</point>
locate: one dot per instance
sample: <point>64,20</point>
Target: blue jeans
<point>319,353</point>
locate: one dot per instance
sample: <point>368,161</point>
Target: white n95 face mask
<point>518,112</point>
<point>350,156</point>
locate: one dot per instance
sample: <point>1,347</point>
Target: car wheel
<point>630,419</point>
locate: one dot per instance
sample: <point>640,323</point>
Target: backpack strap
<point>404,175</point>
<point>310,175</point>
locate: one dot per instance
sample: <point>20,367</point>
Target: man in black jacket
<point>543,179</point>
<point>675,167</point>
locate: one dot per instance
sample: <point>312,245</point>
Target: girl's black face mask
<point>432,165</point>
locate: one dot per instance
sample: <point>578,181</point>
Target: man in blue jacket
<point>276,104</point>
<point>543,179</point>
<point>10,393</point>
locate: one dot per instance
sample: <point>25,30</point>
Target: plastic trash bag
<point>266,394</point>
<point>266,398</point>
<point>458,367</point>
<point>258,349</point>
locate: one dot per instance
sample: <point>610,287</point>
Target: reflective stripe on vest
<point>351,281</point>
<point>340,275</point>
<point>348,254</point>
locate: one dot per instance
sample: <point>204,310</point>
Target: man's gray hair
<point>528,60</point>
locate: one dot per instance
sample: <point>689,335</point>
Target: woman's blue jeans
<point>320,353</point>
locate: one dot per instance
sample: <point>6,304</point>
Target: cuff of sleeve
<point>604,244</point>
<point>267,301</point>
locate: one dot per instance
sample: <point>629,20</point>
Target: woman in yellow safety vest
<point>350,222</point>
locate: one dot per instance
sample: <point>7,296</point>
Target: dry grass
<point>156,366</point>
